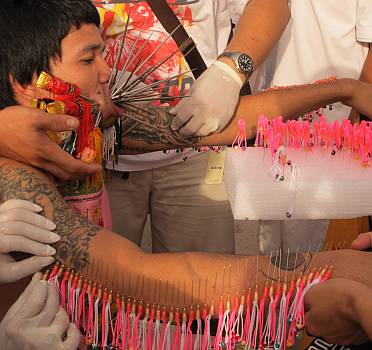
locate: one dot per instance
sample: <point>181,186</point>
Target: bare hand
<point>330,312</point>
<point>23,137</point>
<point>360,97</point>
<point>362,242</point>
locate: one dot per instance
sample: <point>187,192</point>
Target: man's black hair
<point>31,32</point>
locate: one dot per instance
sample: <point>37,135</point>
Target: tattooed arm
<point>109,258</point>
<point>147,132</point>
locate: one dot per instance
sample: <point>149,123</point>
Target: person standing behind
<point>171,190</point>
<point>322,39</point>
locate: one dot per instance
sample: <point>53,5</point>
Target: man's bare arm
<point>366,76</point>
<point>113,260</point>
<point>286,102</point>
<point>259,29</point>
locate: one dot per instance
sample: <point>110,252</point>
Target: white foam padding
<point>329,186</point>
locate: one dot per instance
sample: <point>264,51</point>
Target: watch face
<point>245,63</point>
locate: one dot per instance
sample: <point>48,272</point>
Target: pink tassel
<point>218,337</point>
<point>117,327</point>
<point>177,338</point>
<point>135,339</point>
<point>63,288</point>
<point>104,319</point>
<point>261,315</point>
<point>149,329</point>
<point>247,321</point>
<point>189,331</point>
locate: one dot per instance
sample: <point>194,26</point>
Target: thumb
<point>362,242</point>
<point>34,304</point>
<point>17,306</point>
<point>57,122</point>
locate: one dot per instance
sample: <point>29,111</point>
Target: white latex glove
<point>214,96</point>
<point>23,230</point>
<point>36,322</point>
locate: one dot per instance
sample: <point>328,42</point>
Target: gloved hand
<point>214,96</point>
<point>23,230</point>
<point>36,322</point>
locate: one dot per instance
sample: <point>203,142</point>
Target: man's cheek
<point>107,106</point>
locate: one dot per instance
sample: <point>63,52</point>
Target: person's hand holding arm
<point>340,311</point>
<point>366,76</point>
<point>215,94</point>
<point>23,137</point>
<point>36,322</point>
<point>22,229</point>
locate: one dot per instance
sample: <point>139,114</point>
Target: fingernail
<point>37,208</point>
<point>72,123</point>
<point>51,250</point>
<point>53,237</point>
<point>47,261</point>
<point>50,225</point>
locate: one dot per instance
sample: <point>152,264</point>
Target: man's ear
<point>23,94</point>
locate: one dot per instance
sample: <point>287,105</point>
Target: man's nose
<point>105,71</point>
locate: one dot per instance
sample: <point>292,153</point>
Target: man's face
<point>82,63</point>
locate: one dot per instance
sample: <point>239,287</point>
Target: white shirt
<point>323,38</point>
<point>208,23</point>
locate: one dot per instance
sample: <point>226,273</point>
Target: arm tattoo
<point>21,182</point>
<point>153,127</point>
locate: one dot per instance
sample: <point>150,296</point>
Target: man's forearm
<point>259,28</point>
<point>286,102</point>
<point>366,74</point>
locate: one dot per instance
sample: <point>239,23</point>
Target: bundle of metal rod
<point>247,319</point>
<point>133,87</point>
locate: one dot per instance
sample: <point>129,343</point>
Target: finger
<point>73,338</point>
<point>192,127</point>
<point>50,309</point>
<point>308,299</point>
<point>184,114</point>
<point>24,296</point>
<point>362,242</point>
<point>13,243</point>
<point>35,302</point>
<point>29,231</point>
<point>21,269</point>
<point>60,322</point>
<point>209,126</point>
<point>20,214</point>
<point>175,109</point>
<point>20,203</point>
<point>310,327</point>
<point>65,167</point>
<point>56,122</point>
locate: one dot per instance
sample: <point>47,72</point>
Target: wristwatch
<point>243,62</point>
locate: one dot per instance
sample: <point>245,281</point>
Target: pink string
<point>177,338</point>
<point>218,336</point>
<point>104,320</point>
<point>331,136</point>
<point>149,330</point>
<point>63,289</point>
<point>247,321</point>
<point>81,307</point>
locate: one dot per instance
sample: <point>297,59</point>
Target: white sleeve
<point>364,21</point>
<point>236,8</point>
